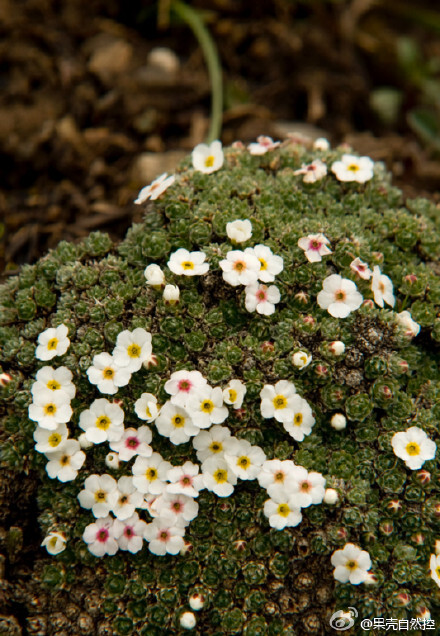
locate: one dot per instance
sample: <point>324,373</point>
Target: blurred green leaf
<point>386,103</point>
<point>426,124</point>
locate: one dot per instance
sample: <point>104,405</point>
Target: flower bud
<point>188,620</point>
<point>112,460</point>
<point>338,421</point>
<point>5,378</point>
<point>171,294</point>
<point>196,601</point>
<point>154,275</point>
<point>301,359</point>
<point>337,347</point>
<point>331,496</point>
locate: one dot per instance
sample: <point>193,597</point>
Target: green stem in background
<point>207,44</point>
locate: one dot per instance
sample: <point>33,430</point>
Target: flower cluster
<point>283,403</point>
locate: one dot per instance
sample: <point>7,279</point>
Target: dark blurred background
<point>99,97</point>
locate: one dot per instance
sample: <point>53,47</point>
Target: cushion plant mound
<point>324,334</point>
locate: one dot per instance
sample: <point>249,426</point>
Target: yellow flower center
<point>279,402</point>
<point>413,449</point>
<point>188,265</point>
<point>305,486</point>
<point>232,395</point>
<point>54,439</point>
<point>437,571</point>
<point>52,344</point>
<point>209,161</point>
<point>134,351</point>
<point>108,373</point>
<point>216,447</point>
<point>207,406</point>
<point>50,409</point>
<point>297,419</point>
<point>53,385</point>
<point>263,264</point>
<point>283,510</point>
<point>243,462</point>
<point>279,476</point>
<point>148,412</point>
<point>221,476</point>
<point>178,421</point>
<point>100,496</point>
<point>151,474</point>
<point>239,266</point>
<point>353,167</point>
<point>103,422</point>
<point>53,542</point>
<point>351,565</point>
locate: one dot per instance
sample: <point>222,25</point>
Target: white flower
<point>414,447</point>
<point>314,246</point>
<point>171,294</point>
<point>338,421</point>
<point>155,189</point>
<point>270,263</point>
<point>262,298</point>
<point>307,488</point>
<point>106,374</point>
<point>187,620</point>
<point>154,275</point>
<point>185,480</point>
<point>339,296</point>
<point>100,537</point>
<point>211,443</point>
<point>337,347</point>
<point>352,168</point>
<point>330,496</point>
<point>129,533</point>
<point>186,263</point>
<point>52,342</point>
<point>240,268</point>
<point>275,471</point>
<point>321,144</point>
<point>182,508</point>
<point>361,268</point>
<point>206,158</point>
<point>301,359</point>
<point>351,564</point>
<point>281,510</point>
<point>277,401</point>
<point>133,442</point>
<point>163,537</point>
<point>234,393</point>
<point>128,498</point>
<point>150,473</point>
<point>302,421</point>
<point>412,328</point>
<point>176,423</point>
<point>239,231</point>
<point>49,441</point>
<point>99,494</point>
<point>112,460</point>
<point>263,145</point>
<point>65,464</point>
<point>50,408</point>
<point>206,408</point>
<point>103,421</point>
<point>218,477</point>
<point>55,542</point>
<point>312,172</point>
<point>243,459</point>
<point>196,601</point>
<point>382,288</point>
<point>183,385</point>
<point>146,407</point>
<point>434,565</point>
<point>54,380</point>
<point>132,349</point>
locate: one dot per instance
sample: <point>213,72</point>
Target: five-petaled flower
<point>315,247</point>
<point>382,288</point>
<point>52,342</point>
<point>351,564</point>
<point>186,263</point>
<point>414,447</point>
<point>262,145</point>
<point>312,172</point>
<point>352,168</point>
<point>206,158</point>
<point>155,189</point>
<point>339,296</point>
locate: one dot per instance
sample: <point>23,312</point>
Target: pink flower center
<point>102,535</point>
<point>132,442</point>
<point>184,385</point>
<point>311,168</point>
<point>177,506</point>
<point>315,244</point>
<point>129,532</point>
<point>186,480</point>
<point>261,295</point>
<point>163,535</point>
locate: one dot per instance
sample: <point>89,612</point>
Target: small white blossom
<point>351,564</point>
<point>212,443</point>
<point>261,298</point>
<point>352,168</point>
<point>218,477</point>
<point>277,401</point>
<point>330,496</point>
<point>132,349</point>
<point>206,158</point>
<point>146,407</point>
<point>57,380</point>
<point>414,447</point>
<point>65,464</point>
<point>99,494</point>
<point>270,263</point>
<point>154,275</point>
<point>182,508</point>
<point>187,620</point>
<point>155,189</point>
<point>240,268</point>
<point>312,172</point>
<point>102,422</point>
<point>301,359</point>
<point>307,488</point>
<point>412,328</point>
<point>128,498</point>
<point>171,294</point>
<point>50,408</point>
<point>263,145</point>
<point>129,533</point>
<point>339,296</point>
<point>100,538</point>
<point>234,393</point>
<point>302,421</point>
<point>382,288</point>
<point>163,537</point>
<point>49,441</point>
<point>243,459</point>
<point>185,480</point>
<point>276,472</point>
<point>338,421</point>
<point>321,144</point>
<point>150,473</point>
<point>134,441</point>
<point>106,374</point>
<point>315,247</point>
<point>176,423</point>
<point>207,408</point>
<point>361,268</point>
<point>55,542</point>
<point>186,263</point>
<point>52,342</point>
<point>112,460</point>
<point>239,231</point>
<point>434,565</point>
<point>184,384</point>
<point>281,510</point>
